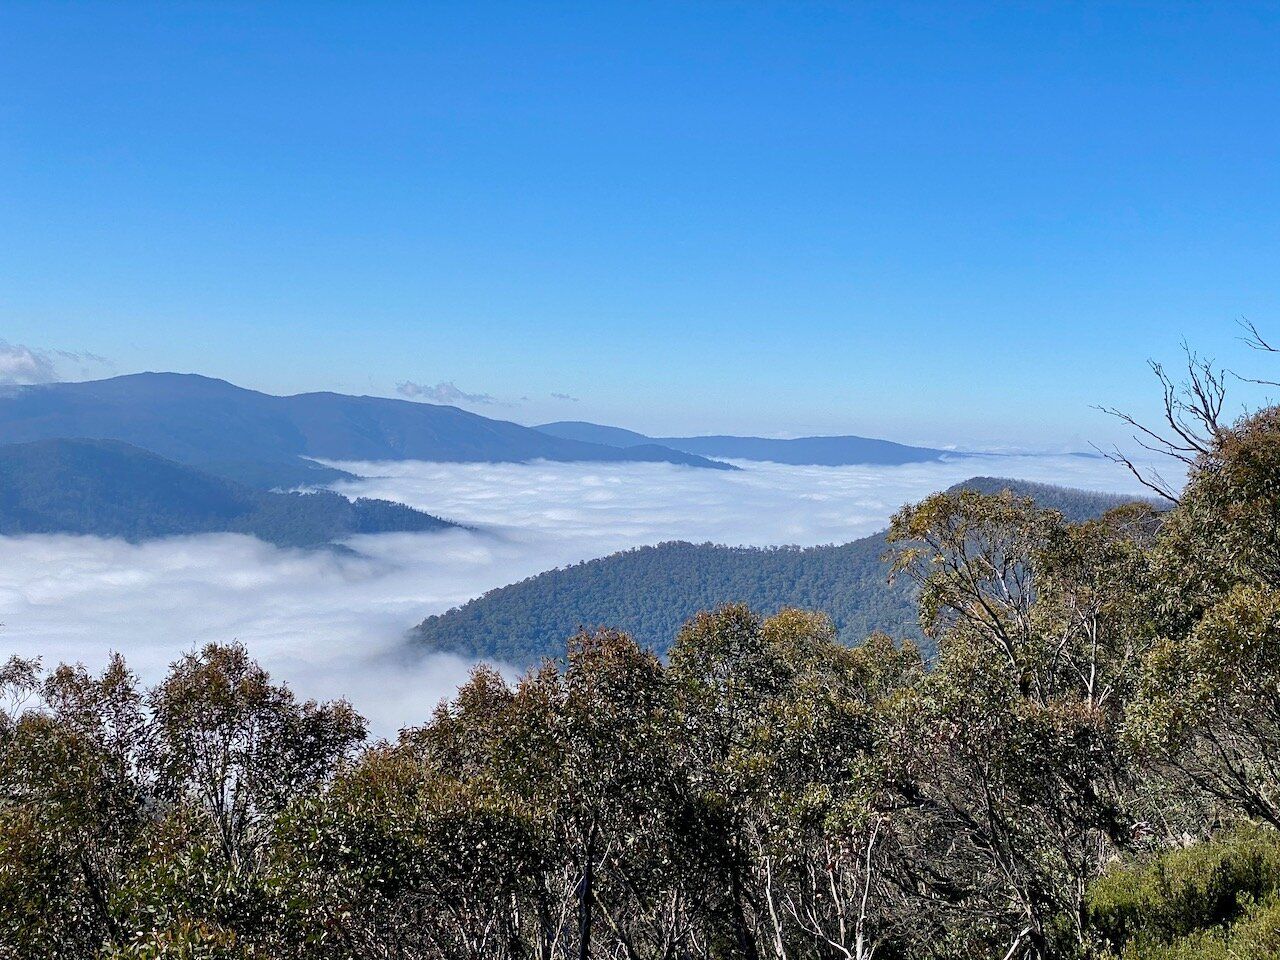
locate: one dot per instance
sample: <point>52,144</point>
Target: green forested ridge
<point>1075,505</point>
<point>112,489</point>
<point>650,591</point>
<point>1089,771</point>
<point>274,474</point>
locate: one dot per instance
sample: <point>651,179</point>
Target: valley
<point>340,623</point>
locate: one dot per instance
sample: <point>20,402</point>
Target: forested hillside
<point>1074,505</point>
<point>649,592</point>
<point>111,489</point>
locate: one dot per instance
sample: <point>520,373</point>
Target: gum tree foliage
<point>132,823</point>
<point>1210,703</point>
<point>1013,747</point>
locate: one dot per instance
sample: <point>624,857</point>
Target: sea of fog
<point>333,623</point>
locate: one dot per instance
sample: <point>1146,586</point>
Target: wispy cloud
<point>446,391</point>
<point>564,396</point>
<point>21,365</point>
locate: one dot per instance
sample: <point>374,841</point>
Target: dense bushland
<point>1091,768</point>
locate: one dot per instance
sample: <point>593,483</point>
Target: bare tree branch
<point>1193,421</point>
<point>1255,340</point>
<point>1151,480</point>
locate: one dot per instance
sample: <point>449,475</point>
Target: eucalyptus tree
<point>1210,703</point>
<point>1017,780</point>
<point>241,748</point>
<point>786,754</point>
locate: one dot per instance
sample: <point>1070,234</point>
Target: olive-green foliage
<point>135,824</point>
<point>1209,700</point>
<point>1213,898</point>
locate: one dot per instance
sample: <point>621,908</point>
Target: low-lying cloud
<point>333,624</point>
<point>612,506</point>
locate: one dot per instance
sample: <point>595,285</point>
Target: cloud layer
<point>610,506</point>
<point>333,624</point>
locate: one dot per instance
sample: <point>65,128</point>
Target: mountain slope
<point>819,451</point>
<point>111,489</point>
<point>651,591</point>
<point>593,433</point>
<point>194,419</point>
<point>273,474</point>
<point>1075,505</point>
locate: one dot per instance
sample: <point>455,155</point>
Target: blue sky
<point>958,223</point>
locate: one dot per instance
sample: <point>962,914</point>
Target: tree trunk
<point>586,897</point>
<point>746,942</point>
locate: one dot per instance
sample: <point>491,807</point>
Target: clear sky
<point>939,222</point>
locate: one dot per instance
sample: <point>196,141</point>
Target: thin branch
<point>1192,421</point>
<point>1255,339</point>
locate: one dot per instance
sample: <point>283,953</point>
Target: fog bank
<point>332,624</point>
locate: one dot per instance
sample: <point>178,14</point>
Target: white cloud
<point>446,391</point>
<point>333,625</point>
<point>330,624</point>
<point>22,365</point>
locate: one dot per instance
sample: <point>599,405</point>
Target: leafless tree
<point>1192,418</point>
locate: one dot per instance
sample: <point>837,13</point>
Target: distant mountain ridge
<point>817,451</point>
<point>650,591</point>
<point>112,489</point>
<point>200,420</point>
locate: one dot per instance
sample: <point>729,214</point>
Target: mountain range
<point>271,441</point>
<point>651,591</point>
<point>817,451</point>
<point>262,438</point>
<point>112,489</point>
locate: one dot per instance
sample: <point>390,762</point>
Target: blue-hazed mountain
<point>819,451</point>
<point>198,420</point>
<point>275,474</point>
<point>649,592</point>
<point>111,489</point>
